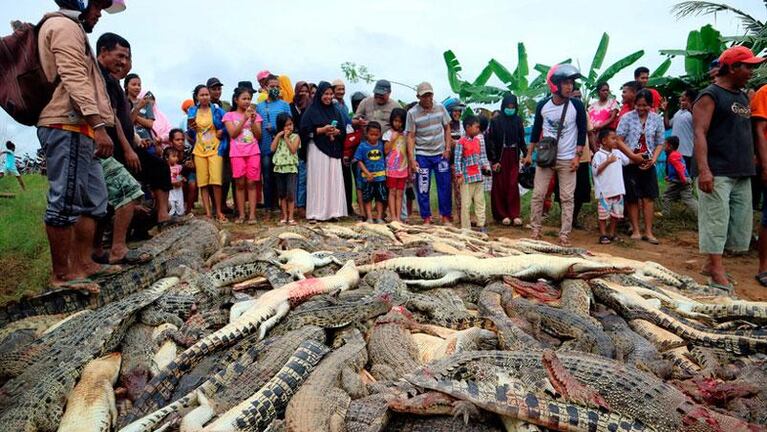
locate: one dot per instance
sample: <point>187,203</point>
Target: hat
<point>739,54</point>
<point>424,88</point>
<point>337,82</point>
<point>264,74</point>
<point>382,87</point>
<point>117,7</point>
<point>246,84</point>
<point>214,82</point>
<point>185,105</point>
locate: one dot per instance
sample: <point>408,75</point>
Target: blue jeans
<point>267,181</point>
<point>441,168</point>
<point>301,185</point>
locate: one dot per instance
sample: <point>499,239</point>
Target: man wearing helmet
<point>572,138</point>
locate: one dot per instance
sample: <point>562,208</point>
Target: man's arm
<point>702,112</point>
<point>131,158</point>
<point>760,129</point>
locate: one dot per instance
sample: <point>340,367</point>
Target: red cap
<point>739,54</point>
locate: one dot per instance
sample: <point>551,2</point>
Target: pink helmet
<point>559,73</point>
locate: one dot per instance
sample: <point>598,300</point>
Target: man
<point>548,115</point>
<point>262,78</point>
<point>72,128</point>
<point>759,120</point>
<point>269,109</point>
<point>123,190</point>
<point>642,76</point>
<point>629,91</point>
<point>724,152</point>
<point>216,87</point>
<point>681,125</point>
<point>339,91</point>
<point>377,107</point>
<point>429,146</point>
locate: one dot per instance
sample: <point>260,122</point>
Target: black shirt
<point>121,108</point>
<point>730,142</point>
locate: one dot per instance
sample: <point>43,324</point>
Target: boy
<point>10,164</point>
<point>176,195</point>
<point>608,165</point>
<point>372,163</point>
<point>471,165</point>
<point>678,181</point>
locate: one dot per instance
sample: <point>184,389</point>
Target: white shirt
<point>610,182</point>
<point>551,114</point>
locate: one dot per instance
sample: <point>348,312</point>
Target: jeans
<point>301,185</point>
<point>268,181</point>
<point>567,179</point>
<point>441,169</point>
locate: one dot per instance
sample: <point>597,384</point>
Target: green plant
<point>594,76</point>
<point>355,73</point>
<point>703,46</point>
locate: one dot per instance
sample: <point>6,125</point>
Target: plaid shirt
<point>470,159</point>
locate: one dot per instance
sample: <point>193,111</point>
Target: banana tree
<point>703,46</point>
<point>594,76</point>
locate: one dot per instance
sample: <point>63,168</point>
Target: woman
<point>642,131</point>
<point>602,112</point>
<point>300,102</point>
<point>205,123</point>
<point>505,143</point>
<point>325,198</point>
<point>154,170</point>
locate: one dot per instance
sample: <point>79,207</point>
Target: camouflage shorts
<point>122,188</point>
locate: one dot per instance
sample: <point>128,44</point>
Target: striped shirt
<point>429,129</point>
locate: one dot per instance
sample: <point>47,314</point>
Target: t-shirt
<point>175,172</point>
<point>429,129</point>
<point>10,160</point>
<point>372,156</point>
<point>759,104</point>
<point>547,118</point>
<point>375,112</point>
<point>681,126</point>
<point>283,160</point>
<point>207,142</point>
<point>600,112</point>
<point>610,182</point>
<point>246,143</point>
<point>729,137</point>
<point>269,110</point>
<point>396,160</point>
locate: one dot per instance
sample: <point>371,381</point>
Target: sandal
<point>729,288</point>
<point>564,241</point>
<point>86,285</point>
<point>283,221</point>
<point>604,240</point>
<point>651,240</point>
<point>252,222</point>
<point>517,222</point>
<point>761,278</point>
<point>292,222</point>
<point>222,220</point>
<point>506,221</point>
<point>105,270</point>
<point>239,221</point>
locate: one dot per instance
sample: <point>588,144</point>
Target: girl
<point>285,160</point>
<point>206,126</point>
<point>244,126</point>
<point>178,142</point>
<point>396,162</point>
<point>505,145</point>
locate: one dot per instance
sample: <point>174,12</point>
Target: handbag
<point>547,146</point>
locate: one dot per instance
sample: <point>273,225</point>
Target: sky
<point>178,44</point>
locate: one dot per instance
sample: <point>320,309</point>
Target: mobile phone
<point>334,123</point>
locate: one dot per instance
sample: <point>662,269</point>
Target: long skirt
<point>325,197</point>
<point>505,192</point>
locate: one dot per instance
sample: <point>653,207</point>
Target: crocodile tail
<point>148,422</point>
<point>52,303</point>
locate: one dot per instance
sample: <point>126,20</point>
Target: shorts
<point>247,166</point>
<point>76,183</point>
<point>155,171</point>
<point>640,184</point>
<point>286,185</point>
<point>726,216</point>
<point>10,170</point>
<point>359,182</point>
<point>122,188</point>
<point>394,183</point>
<point>375,191</point>
<point>209,170</point>
<point>610,207</point>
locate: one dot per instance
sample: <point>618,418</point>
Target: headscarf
<point>161,126</point>
<point>301,102</point>
<point>286,89</point>
<point>319,115</point>
<point>505,131</point>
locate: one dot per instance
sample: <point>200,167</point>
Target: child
<point>285,160</point>
<point>372,162</point>
<point>678,181</point>
<point>470,166</point>
<point>244,126</point>
<point>396,162</point>
<point>176,195</point>
<point>608,182</point>
<point>177,139</point>
<point>10,164</point>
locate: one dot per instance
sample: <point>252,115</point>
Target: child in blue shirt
<point>371,159</point>
<point>9,167</point>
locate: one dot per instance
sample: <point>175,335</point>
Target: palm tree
<point>695,8</point>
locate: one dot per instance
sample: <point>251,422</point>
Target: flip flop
<point>762,278</point>
<point>730,277</point>
<point>651,240</point>
<point>101,259</point>
<point>86,285</point>
<point>105,270</point>
<point>729,288</point>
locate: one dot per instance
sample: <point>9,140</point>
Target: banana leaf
<point>662,69</point>
<point>618,66</point>
<point>484,76</point>
<point>503,74</point>
<point>523,68</point>
<point>685,53</point>
<point>693,65</point>
<point>599,58</point>
<point>712,40</point>
<point>544,69</point>
<point>453,71</point>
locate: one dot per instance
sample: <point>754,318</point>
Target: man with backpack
<point>559,134</point>
<point>72,129</point>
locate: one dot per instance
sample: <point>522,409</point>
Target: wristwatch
<point>579,153</point>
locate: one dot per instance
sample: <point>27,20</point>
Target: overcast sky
<point>178,44</point>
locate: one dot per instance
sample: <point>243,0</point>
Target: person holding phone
<point>205,122</point>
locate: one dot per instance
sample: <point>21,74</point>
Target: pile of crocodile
<point>382,328</point>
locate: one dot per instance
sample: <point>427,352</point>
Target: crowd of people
<point>303,152</point>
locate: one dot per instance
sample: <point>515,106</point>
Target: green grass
<point>24,255</point>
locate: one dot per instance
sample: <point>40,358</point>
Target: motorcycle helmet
<point>559,73</point>
<point>526,177</point>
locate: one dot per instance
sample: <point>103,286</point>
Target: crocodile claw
<point>465,409</point>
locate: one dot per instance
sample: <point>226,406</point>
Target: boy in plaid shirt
<point>470,166</point>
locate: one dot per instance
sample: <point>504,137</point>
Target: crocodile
<point>728,310</point>
<point>662,339</point>
<point>323,400</point>
<point>34,400</point>
<point>245,369</point>
<point>510,334</point>
<point>368,414</point>
<point>541,291</point>
<point>589,337</point>
<point>577,297</point>
<point>298,262</point>
<point>588,381</point>
<point>633,306</point>
<point>160,243</point>
<point>138,349</point>
<point>167,347</point>
<point>532,246</point>
<point>681,359</point>
<point>258,411</point>
<point>632,348</point>
<point>91,405</point>
<point>435,272</point>
<point>436,424</point>
<point>432,348</point>
<point>391,348</point>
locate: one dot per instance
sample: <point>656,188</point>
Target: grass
<point>24,255</point>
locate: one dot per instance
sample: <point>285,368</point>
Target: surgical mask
<point>274,93</point>
<point>509,111</point>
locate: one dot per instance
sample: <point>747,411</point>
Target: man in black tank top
<point>724,152</point>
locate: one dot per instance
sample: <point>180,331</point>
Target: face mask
<point>509,111</point>
<point>274,93</point>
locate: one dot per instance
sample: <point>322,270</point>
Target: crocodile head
<point>584,269</point>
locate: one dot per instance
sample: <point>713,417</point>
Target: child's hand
<point>612,158</point>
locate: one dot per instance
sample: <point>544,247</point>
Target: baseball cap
<point>264,74</point>
<point>337,82</point>
<point>424,88</point>
<point>739,54</point>
<point>186,105</point>
<point>214,82</point>
<point>117,7</point>
<point>382,87</point>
